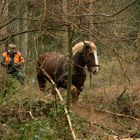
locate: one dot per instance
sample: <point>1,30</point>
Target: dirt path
<point>105,124</point>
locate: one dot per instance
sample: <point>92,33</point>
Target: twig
<point>121,65</point>
<point>31,114</point>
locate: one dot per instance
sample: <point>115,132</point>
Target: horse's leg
<point>74,93</point>
<point>42,82</point>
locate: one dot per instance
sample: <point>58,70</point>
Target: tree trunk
<point>67,45</point>
<point>91,19</point>
<point>24,37</point>
<point>3,19</point>
<point>41,24</point>
<point>70,35</point>
<point>18,10</point>
<point>65,32</point>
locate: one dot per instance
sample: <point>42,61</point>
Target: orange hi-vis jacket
<point>17,58</point>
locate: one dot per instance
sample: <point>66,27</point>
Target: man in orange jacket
<point>12,59</point>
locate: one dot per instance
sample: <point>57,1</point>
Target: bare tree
<point>24,27</point>
<point>3,18</point>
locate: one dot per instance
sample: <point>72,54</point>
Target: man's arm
<point>21,61</point>
<point>3,63</point>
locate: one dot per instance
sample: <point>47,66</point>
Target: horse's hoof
<point>74,101</point>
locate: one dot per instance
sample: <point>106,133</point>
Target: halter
<point>94,65</point>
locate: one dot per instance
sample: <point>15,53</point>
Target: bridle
<point>88,64</point>
<point>94,65</point>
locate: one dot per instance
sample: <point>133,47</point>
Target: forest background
<point>111,107</point>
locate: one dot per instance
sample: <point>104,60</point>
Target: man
<point>13,60</point>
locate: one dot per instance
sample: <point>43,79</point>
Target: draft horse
<point>84,54</point>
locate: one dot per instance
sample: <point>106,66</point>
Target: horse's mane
<point>79,46</point>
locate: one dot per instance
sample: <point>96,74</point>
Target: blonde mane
<point>79,46</point>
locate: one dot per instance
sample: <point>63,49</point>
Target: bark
<point>17,38</point>
<point>91,20</point>
<point>24,37</point>
<point>3,17</point>
<point>65,32</point>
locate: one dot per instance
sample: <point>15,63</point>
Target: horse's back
<point>49,62</point>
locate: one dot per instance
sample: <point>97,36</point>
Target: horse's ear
<point>84,43</point>
<point>86,46</point>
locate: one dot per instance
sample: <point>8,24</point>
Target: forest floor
<point>109,109</point>
<point>106,117</point>
<point>112,105</point>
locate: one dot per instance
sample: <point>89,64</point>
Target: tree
<point>3,18</point>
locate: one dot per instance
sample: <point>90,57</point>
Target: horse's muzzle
<point>93,69</point>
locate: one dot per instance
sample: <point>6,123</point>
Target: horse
<point>84,54</point>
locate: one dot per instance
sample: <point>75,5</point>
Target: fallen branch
<point>117,114</point>
<point>120,115</point>
<point>62,101</point>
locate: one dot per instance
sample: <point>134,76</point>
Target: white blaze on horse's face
<point>96,68</point>
<point>90,55</point>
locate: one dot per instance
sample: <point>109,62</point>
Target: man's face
<point>12,50</point>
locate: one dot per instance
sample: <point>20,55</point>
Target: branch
<point>15,34</point>
<point>8,22</point>
<point>62,101</point>
<point>101,14</point>
<point>127,6</point>
<point>117,114</point>
<point>32,30</point>
<point>113,113</point>
<point>113,15</point>
<point>116,20</point>
<point>121,64</point>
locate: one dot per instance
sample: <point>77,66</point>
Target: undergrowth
<point>26,114</point>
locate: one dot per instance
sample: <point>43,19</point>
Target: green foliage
<point>12,86</point>
<point>38,129</point>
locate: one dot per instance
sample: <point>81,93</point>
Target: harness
<point>78,69</point>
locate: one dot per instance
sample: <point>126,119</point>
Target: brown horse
<point>83,54</point>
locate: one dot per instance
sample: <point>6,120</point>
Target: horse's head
<point>90,56</point>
